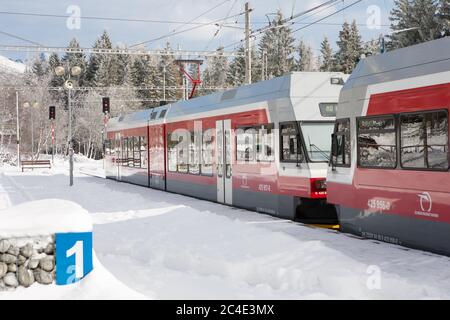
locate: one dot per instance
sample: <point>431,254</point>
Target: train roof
<point>298,92</point>
<point>295,85</point>
<point>138,118</point>
<point>425,58</point>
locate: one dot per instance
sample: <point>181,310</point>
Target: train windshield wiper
<point>317,149</point>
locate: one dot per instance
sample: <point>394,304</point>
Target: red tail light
<point>318,188</point>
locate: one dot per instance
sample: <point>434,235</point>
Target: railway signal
<point>52,113</point>
<point>105,104</point>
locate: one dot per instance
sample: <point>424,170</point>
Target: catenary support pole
<point>248,51</point>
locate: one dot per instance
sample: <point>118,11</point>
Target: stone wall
<point>24,261</point>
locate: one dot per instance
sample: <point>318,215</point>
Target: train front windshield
<point>317,137</point>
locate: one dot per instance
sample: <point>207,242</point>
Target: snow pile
<point>98,284</point>
<point>42,217</point>
<point>7,65</point>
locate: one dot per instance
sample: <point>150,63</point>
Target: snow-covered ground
<point>168,246</point>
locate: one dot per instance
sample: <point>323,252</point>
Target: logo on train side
<point>426,203</point>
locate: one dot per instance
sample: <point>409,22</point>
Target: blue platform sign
<point>73,256</point>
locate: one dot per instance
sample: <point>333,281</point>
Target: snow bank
<point>43,217</point>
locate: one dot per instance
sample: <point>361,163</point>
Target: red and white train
<point>389,174</point>
<point>263,147</point>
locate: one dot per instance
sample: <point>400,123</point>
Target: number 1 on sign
<point>77,250</point>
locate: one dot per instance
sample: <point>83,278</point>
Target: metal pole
<point>248,52</point>
<point>164,83</point>
<point>32,133</point>
<point>17,129</point>
<point>53,141</point>
<point>70,142</point>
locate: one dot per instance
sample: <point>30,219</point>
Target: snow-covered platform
<point>168,246</point>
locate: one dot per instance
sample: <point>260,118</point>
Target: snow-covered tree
<point>414,22</point>
<point>327,59</point>
<point>40,66</point>
<point>215,74</point>
<point>172,74</point>
<point>305,60</point>
<point>444,17</point>
<point>278,43</point>
<point>349,48</point>
<point>75,59</point>
<point>97,73</point>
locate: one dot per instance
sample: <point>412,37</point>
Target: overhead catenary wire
<point>284,22</point>
<point>307,24</point>
<point>175,31</point>
<point>221,25</point>
<point>20,38</point>
<point>327,16</point>
<point>60,16</point>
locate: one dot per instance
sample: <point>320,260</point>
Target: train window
<point>125,152</point>
<point>340,151</point>
<point>264,143</point>
<point>245,144</point>
<point>291,148</point>
<point>172,153</point>
<point>194,155</point>
<point>207,153</point>
<point>137,152</point>
<point>424,141</point>
<point>144,153</point>
<point>183,152</point>
<point>130,152</point>
<point>377,142</point>
<point>162,114</point>
<point>316,136</point>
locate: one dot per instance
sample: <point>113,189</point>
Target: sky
<point>371,15</point>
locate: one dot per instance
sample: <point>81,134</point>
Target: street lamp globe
<point>75,71</point>
<point>35,104</point>
<point>59,71</point>
<point>26,104</point>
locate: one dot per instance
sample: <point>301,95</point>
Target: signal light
<point>52,113</point>
<point>105,104</point>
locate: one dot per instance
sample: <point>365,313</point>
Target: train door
<point>118,152</point>
<point>223,160</point>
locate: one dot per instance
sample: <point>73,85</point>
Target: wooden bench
<point>31,164</point>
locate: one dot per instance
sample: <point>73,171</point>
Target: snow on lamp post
<point>75,71</point>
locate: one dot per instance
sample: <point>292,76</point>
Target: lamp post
<point>75,71</point>
<point>35,105</point>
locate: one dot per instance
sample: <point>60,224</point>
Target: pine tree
<point>173,77</point>
<point>278,43</point>
<point>40,66</point>
<point>350,49</point>
<point>413,22</point>
<point>99,64</point>
<point>216,71</point>
<point>75,59</point>
<point>327,61</point>
<point>236,69</point>
<point>306,59</point>
<point>444,17</point>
